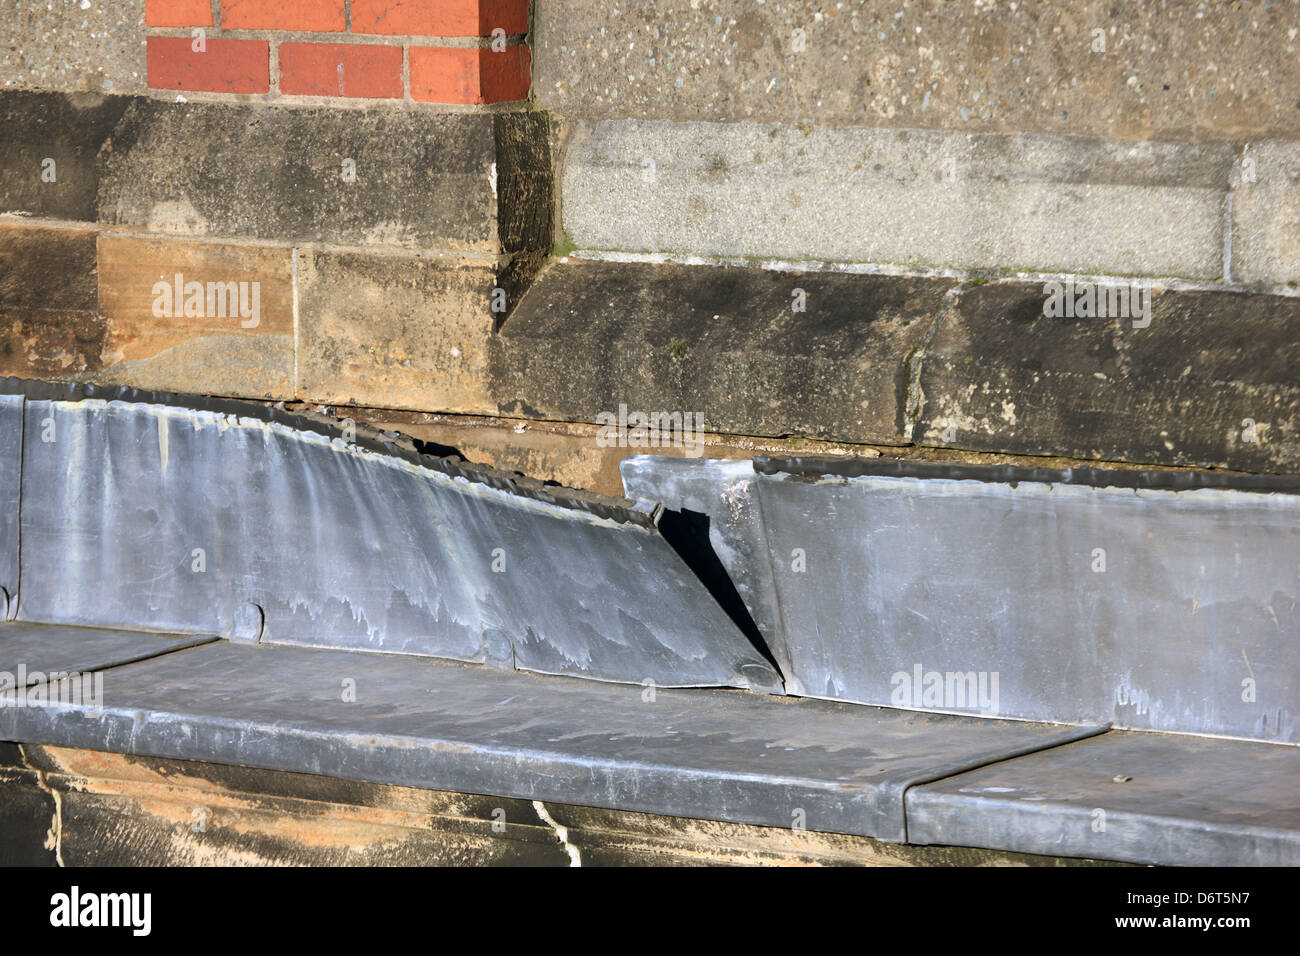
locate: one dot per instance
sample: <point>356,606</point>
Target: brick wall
<point>431,51</point>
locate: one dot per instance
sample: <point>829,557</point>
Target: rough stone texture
<point>525,181</point>
<point>1266,215</point>
<point>47,267</point>
<point>1004,377</point>
<point>206,354</point>
<point>27,812</point>
<point>883,359</point>
<point>49,324</point>
<point>73,45</point>
<point>908,198</point>
<point>1170,70</point>
<point>395,331</point>
<point>423,179</point>
<point>138,811</point>
<point>69,129</point>
<point>722,342</point>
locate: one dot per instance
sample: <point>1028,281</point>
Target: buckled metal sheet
<point>1151,600</point>
<point>190,515</point>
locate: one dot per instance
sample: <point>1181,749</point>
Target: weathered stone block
<point>47,267</point>
<point>1211,381</point>
<point>410,179</point>
<point>395,331</point>
<point>49,323</point>
<point>48,145</point>
<point>235,338</point>
<point>1266,215</point>
<point>726,343</point>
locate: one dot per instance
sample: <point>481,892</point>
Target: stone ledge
<point>877,359</point>
<point>464,183</point>
<point>1210,382</point>
<point>724,342</point>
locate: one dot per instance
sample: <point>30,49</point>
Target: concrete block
<point>916,199</point>
<point>1266,214</point>
<point>63,45</point>
<point>1128,71</point>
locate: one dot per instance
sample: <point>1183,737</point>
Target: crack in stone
<point>914,395</point>
<point>575,856</point>
<point>54,838</point>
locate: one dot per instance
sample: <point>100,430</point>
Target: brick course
<point>225,66</point>
<point>365,62</point>
<point>318,15</point>
<point>449,18</point>
<point>453,75</point>
<point>341,69</point>
<point>178,13</point>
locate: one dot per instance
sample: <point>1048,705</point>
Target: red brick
<point>328,16</point>
<point>442,74</point>
<point>226,66</point>
<point>440,18</point>
<point>341,69</point>
<point>178,13</point>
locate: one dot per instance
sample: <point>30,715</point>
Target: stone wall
<point>842,225</point>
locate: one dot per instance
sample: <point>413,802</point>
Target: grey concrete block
<point>726,343</point>
<point>73,45</point>
<point>422,180</point>
<point>48,146</point>
<point>1211,381</point>
<point>909,198</point>
<point>1266,214</point>
<point>1157,71</point>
